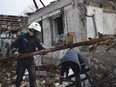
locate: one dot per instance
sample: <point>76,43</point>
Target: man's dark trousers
<point>75,69</point>
<point>21,67</point>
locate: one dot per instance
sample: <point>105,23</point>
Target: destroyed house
<point>10,27</point>
<point>85,20</point>
<point>82,18</point>
<point>10,22</point>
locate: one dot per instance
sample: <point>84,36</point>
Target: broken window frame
<point>55,31</point>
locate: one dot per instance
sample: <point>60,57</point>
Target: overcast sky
<point>17,7</point>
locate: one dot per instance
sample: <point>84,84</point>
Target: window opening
<point>57,28</point>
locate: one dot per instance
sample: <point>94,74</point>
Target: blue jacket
<point>26,44</point>
<point>73,56</point>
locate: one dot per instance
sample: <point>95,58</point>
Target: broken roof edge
<point>31,13</point>
<point>54,6</point>
<point>57,5</point>
<point>5,15</point>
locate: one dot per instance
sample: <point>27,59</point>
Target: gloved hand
<point>16,53</point>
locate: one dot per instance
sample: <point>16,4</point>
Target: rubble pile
<point>48,74</point>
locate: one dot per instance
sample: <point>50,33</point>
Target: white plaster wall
<point>46,33</point>
<point>109,26</point>
<point>72,14</point>
<point>98,15</point>
<point>105,22</point>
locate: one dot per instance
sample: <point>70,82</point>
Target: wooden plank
<point>41,52</point>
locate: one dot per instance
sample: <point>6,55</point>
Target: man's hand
<point>16,54</point>
<point>44,53</point>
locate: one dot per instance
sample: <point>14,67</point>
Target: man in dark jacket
<point>72,59</point>
<point>27,43</point>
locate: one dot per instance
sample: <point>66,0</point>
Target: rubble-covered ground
<point>47,76</point>
<point>100,61</point>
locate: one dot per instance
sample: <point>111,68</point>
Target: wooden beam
<point>41,52</point>
<point>35,4</point>
<point>42,2</point>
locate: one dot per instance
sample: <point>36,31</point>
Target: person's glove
<point>16,53</point>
